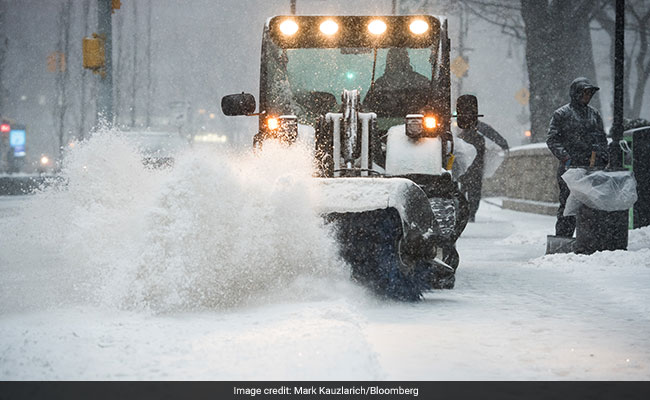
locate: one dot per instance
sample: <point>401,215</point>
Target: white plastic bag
<point>601,190</point>
<point>464,156</point>
<point>494,156</point>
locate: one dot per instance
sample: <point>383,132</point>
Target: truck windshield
<point>308,82</point>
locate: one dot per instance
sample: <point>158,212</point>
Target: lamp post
<point>616,158</point>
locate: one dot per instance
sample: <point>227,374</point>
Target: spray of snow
<point>215,231</point>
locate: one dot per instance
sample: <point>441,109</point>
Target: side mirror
<point>467,111</point>
<point>238,104</point>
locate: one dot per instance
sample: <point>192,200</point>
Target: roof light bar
<point>354,31</point>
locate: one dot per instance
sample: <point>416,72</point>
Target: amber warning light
<point>429,122</point>
<point>272,123</point>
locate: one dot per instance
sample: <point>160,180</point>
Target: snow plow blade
<point>385,229</point>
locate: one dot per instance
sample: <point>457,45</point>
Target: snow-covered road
<point>514,314</point>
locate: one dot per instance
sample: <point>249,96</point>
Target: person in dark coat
<point>472,180</point>
<point>400,90</point>
<point>575,132</point>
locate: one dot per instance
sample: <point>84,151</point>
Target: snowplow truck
<point>371,96</point>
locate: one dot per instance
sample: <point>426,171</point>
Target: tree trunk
<point>637,26</point>
<point>558,50</point>
<point>82,104</point>
<point>540,57</point>
<point>148,56</point>
<point>135,64</point>
<point>642,66</point>
<point>119,65</point>
<point>4,48</point>
<point>62,72</point>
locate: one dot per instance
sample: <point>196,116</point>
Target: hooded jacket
<point>576,130</point>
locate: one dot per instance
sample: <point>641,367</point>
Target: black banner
<point>322,390</point>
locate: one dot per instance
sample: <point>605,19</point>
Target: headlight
<point>45,160</point>
<point>418,125</point>
<point>329,27</point>
<point>414,126</point>
<point>289,27</point>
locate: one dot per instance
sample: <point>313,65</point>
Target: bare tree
<point>637,54</point>
<point>149,94</point>
<point>558,50</point>
<point>446,7</point>
<point>558,46</point>
<point>118,71</point>
<point>642,60</point>
<point>4,48</point>
<point>82,103</point>
<point>62,72</point>
<point>462,48</point>
<point>134,74</point>
<point>505,13</point>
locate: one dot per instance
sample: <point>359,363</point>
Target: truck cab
<point>371,96</point>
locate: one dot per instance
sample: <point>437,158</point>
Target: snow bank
<point>639,238</point>
<point>637,257</point>
<point>629,261</point>
<point>215,231</point>
<point>609,271</point>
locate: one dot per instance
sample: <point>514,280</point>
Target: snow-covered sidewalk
<point>517,314</point>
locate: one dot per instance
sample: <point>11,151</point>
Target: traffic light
<point>56,61</point>
<point>5,127</point>
<point>51,62</point>
<point>93,53</point>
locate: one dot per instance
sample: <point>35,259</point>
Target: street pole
<point>105,95</point>
<point>616,157</point>
<point>293,7</point>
